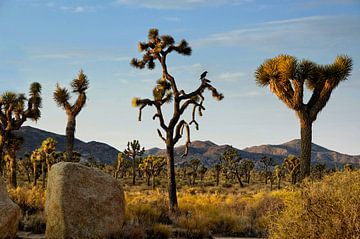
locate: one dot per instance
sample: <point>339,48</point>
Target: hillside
<point>207,151</point>
<point>99,151</point>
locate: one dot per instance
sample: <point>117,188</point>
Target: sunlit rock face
<point>83,202</point>
<point>9,214</point>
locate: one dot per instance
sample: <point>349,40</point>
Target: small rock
<point>82,202</point>
<point>9,214</point>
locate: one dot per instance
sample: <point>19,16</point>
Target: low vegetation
<point>325,208</point>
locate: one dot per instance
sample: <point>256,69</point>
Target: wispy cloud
<point>78,9</point>
<point>305,32</point>
<point>79,55</point>
<point>231,76</point>
<point>248,94</point>
<point>184,4</point>
<point>172,19</point>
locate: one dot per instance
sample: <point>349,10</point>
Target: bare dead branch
<point>160,135</point>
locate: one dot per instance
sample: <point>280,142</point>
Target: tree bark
<point>153,181</point>
<point>306,138</point>
<point>2,165</point>
<point>217,178</point>
<point>70,135</point>
<point>34,170</point>
<point>239,180</point>
<point>171,173</point>
<point>43,174</point>
<point>12,175</point>
<point>134,170</point>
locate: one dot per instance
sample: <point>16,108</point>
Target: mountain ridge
<point>207,151</point>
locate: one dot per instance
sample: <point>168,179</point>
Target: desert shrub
<point>158,231</point>
<point>30,200</point>
<point>36,223</point>
<point>324,209</point>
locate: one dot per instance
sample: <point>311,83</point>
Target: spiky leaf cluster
<point>162,90</point>
<point>284,68</point>
<point>81,83</point>
<point>158,47</point>
<point>48,145</point>
<point>61,96</point>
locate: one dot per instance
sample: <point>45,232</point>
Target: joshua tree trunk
<point>239,180</point>
<point>47,162</point>
<point>278,183</point>
<point>70,132</point>
<point>171,172</point>
<point>134,171</point>
<point>306,138</point>
<point>34,170</point>
<point>2,167</point>
<point>43,174</point>
<point>148,177</point>
<point>12,175</point>
<point>153,181</point>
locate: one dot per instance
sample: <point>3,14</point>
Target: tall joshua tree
<point>15,109</point>
<point>132,151</point>
<point>47,147</point>
<point>156,49</point>
<point>287,76</point>
<point>62,97</point>
<point>13,144</point>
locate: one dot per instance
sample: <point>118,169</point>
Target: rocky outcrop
<point>82,202</point>
<point>9,214</point>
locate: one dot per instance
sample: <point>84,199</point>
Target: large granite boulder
<point>9,214</point>
<point>82,202</point>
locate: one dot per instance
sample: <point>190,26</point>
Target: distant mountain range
<point>99,151</point>
<point>207,151</point>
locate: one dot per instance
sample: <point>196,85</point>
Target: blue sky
<point>50,41</point>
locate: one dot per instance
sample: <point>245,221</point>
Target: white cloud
<point>79,9</point>
<point>83,55</point>
<point>183,4</point>
<point>307,32</point>
<point>231,77</point>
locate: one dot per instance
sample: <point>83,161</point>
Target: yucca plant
<point>287,78</point>
<point>62,96</point>
<point>15,109</point>
<point>133,151</point>
<point>156,49</point>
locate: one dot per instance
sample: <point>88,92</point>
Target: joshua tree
<point>267,164</point>
<point>287,77</point>
<point>152,166</point>
<point>231,162</point>
<point>318,170</point>
<point>247,166</point>
<point>194,165</point>
<point>48,147</point>
<point>119,164</point>
<point>12,144</point>
<point>15,109</point>
<point>292,164</point>
<point>36,158</point>
<point>25,166</point>
<point>157,48</point>
<point>132,151</point>
<point>278,174</point>
<point>217,170</point>
<point>202,172</point>
<point>62,97</point>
